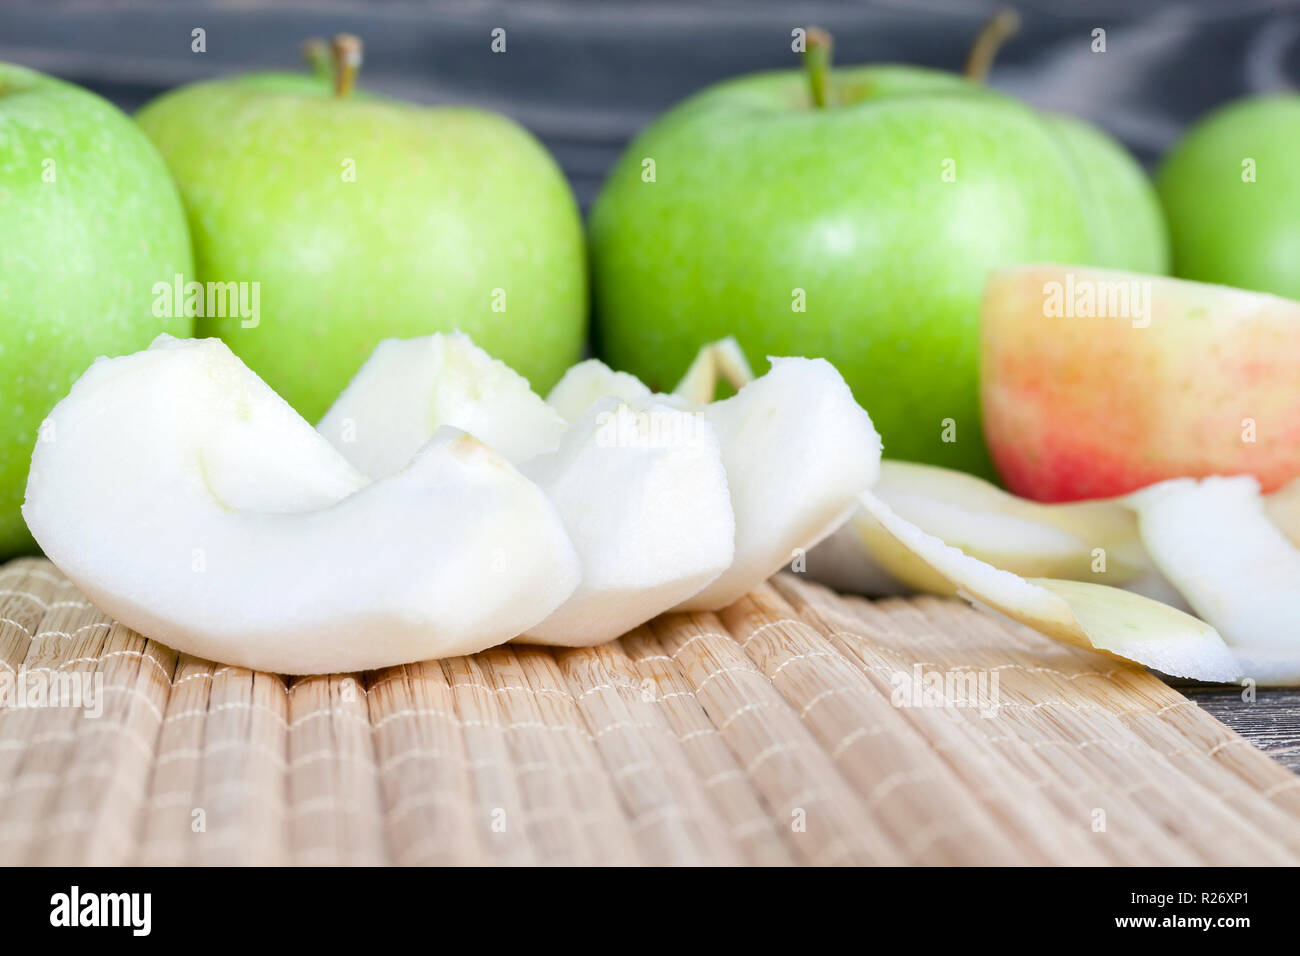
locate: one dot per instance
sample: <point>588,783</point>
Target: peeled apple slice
<point>643,494</point>
<point>1283,508</point>
<point>798,451</point>
<point>1092,616</point>
<point>1214,540</point>
<point>410,386</point>
<point>188,500</point>
<point>583,384</point>
<point>638,481</point>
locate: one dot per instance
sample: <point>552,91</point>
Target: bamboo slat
<point>792,728</point>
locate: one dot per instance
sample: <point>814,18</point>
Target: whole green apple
<point>1231,190</point>
<point>90,222</point>
<point>860,229</point>
<point>358,219</point>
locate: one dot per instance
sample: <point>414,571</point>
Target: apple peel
<point>721,360</point>
<point>1092,616</point>
<point>1094,541</point>
<point>189,501</point>
<point>1216,539</point>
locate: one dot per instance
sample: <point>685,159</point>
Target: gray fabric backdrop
<point>586,74</point>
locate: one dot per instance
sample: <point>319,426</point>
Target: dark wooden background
<point>585,75</point>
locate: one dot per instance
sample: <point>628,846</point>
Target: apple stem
<point>996,31</point>
<point>347,63</point>
<point>817,64</point>
<point>316,54</point>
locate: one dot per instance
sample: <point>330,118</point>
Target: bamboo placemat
<point>776,732</point>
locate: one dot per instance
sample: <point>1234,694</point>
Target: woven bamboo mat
<point>788,729</point>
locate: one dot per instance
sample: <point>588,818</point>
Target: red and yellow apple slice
<point>1096,383</point>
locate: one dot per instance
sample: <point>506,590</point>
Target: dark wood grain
<point>1271,721</point>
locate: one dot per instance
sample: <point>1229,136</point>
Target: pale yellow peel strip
<point>1093,541</point>
<point>723,360</point>
<point>1087,615</point>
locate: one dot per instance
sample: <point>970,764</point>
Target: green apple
<point>860,229</point>
<point>363,218</point>
<point>1231,190</point>
<point>89,223</point>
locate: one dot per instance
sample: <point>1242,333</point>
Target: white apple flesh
<point>798,451</point>
<point>1215,541</point>
<point>643,495</point>
<point>188,500</point>
<point>1283,508</point>
<point>638,482</point>
<point>409,387</point>
<point>587,382</point>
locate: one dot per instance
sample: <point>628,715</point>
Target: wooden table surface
<point>1271,722</point>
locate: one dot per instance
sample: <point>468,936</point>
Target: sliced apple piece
<point>1093,541</point>
<point>585,383</point>
<point>720,360</point>
<point>1214,540</point>
<point>188,500</point>
<point>1092,616</point>
<point>1095,383</point>
<point>643,494</point>
<point>1283,508</point>
<point>1088,540</point>
<point>798,451</point>
<point>843,561</point>
<point>409,387</point>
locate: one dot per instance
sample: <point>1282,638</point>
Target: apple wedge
<point>386,413</point>
<point>1214,540</point>
<point>587,382</point>
<point>1096,383</point>
<point>798,451</point>
<point>188,500</point>
<point>1092,616</point>
<point>638,481</point>
<point>1283,508</point>
<point>643,494</point>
